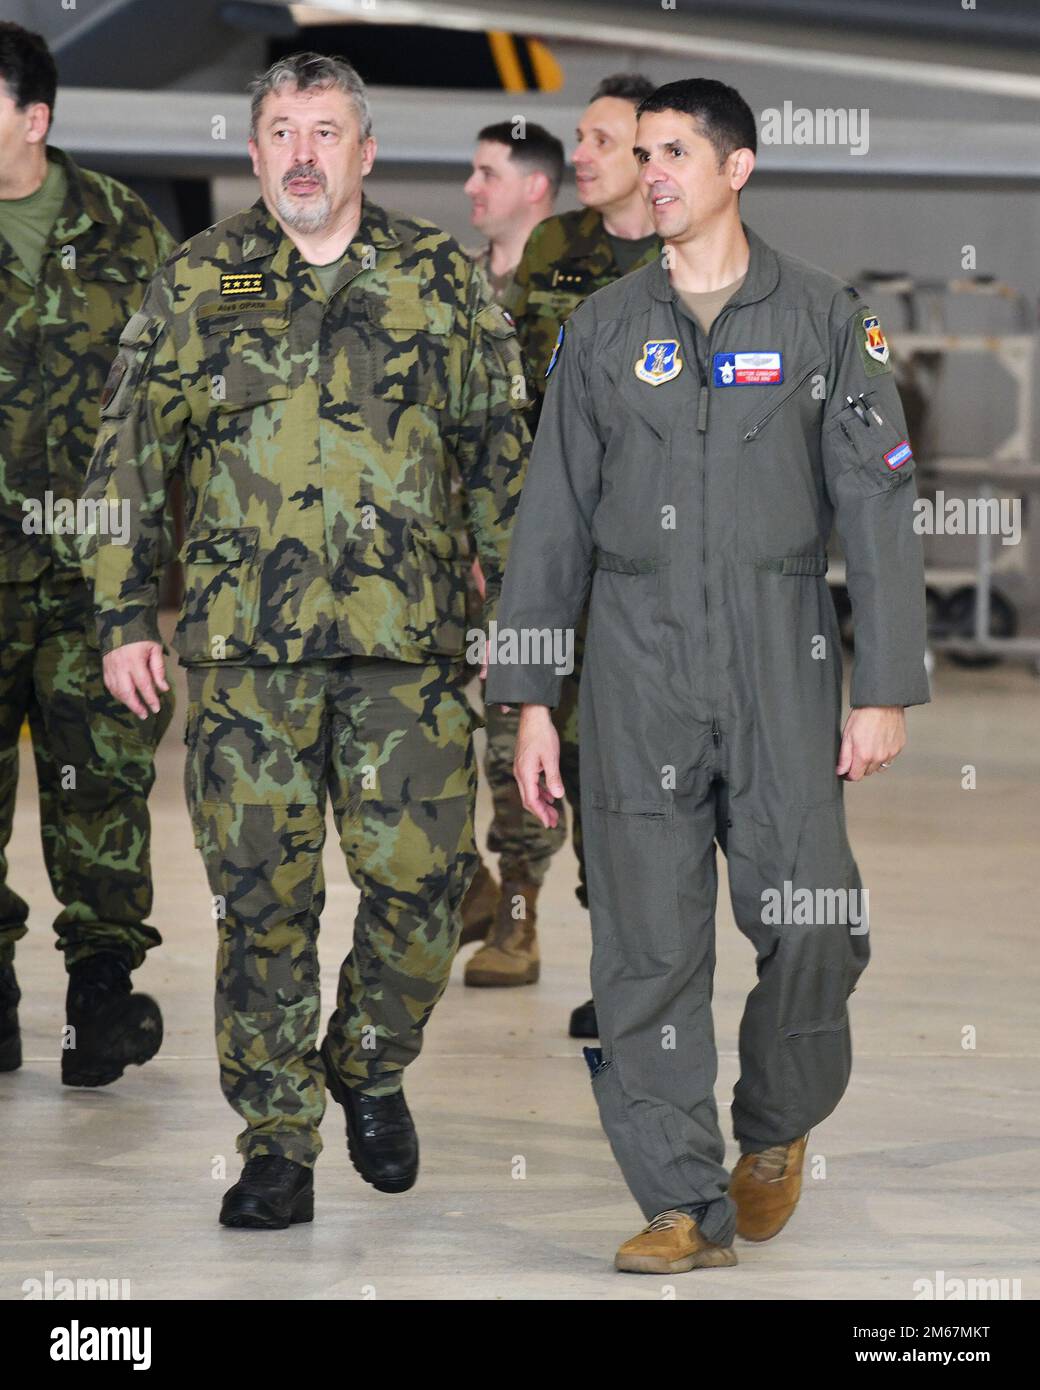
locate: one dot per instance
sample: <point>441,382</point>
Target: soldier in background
<point>316,366</point>
<point>76,251</point>
<point>569,257</point>
<point>516,176</point>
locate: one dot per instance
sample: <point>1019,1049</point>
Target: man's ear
<point>254,156</point>
<point>741,163</point>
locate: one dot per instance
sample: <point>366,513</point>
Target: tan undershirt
<point>705,306</point>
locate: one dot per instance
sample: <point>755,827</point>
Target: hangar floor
<point>926,1172</point>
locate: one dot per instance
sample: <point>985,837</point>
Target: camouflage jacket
<point>58,337</point>
<point>567,258</point>
<point>316,440</point>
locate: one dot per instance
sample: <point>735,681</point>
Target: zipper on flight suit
<point>702,426</point>
<point>783,399</point>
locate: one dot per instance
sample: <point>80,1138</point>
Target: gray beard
<point>311,218</point>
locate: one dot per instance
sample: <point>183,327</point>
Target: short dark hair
<point>538,148</point>
<point>27,67</point>
<point>629,86</point>
<point>720,112</point>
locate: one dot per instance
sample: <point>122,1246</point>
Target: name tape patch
<point>895,458</point>
<point>243,282</point>
<point>748,368</point>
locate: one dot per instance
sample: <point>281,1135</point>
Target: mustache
<point>303,171</point>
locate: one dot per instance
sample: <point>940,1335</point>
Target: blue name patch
<point>748,368</point>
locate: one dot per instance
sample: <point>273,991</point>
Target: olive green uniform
<point>324,618</point>
<point>75,258</point>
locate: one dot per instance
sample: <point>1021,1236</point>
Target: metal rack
<point>921,348</point>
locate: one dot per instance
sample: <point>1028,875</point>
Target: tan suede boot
<point>766,1187</point>
<point>479,906</point>
<point>510,956</point>
<point>672,1244</point>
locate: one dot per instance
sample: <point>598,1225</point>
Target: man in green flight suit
<point>317,367</point>
<point>76,251</point>
<point>567,258</point>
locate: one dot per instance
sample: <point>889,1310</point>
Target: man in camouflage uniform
<point>76,250</point>
<point>567,258</point>
<point>316,367</point>
<point>516,177</point>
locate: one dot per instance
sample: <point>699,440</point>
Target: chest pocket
<point>409,351</point>
<point>245,354</point>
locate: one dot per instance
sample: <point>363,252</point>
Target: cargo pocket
<point>437,582</point>
<point>636,851</point>
<point>221,589</point>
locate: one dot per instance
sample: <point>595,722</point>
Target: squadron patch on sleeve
<point>242,282</point>
<point>873,344</point>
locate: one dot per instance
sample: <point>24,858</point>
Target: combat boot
<point>272,1193</point>
<point>10,1037</point>
<point>672,1244</point>
<point>510,956</point>
<point>381,1138</point>
<point>479,906</point>
<point>109,1027</point>
<point>766,1187</point>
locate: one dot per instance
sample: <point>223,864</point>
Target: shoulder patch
<point>873,345</point>
<point>495,320</point>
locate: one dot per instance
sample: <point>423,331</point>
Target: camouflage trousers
<point>565,720</point>
<point>94,766</point>
<point>390,743</point>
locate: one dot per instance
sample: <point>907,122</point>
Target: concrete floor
<point>928,1165</point>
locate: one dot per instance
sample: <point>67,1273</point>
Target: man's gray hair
<point>305,70</point>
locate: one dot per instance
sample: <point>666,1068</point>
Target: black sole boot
<point>381,1138</point>
<point>10,1035</point>
<point>271,1194</point>
<point>583,1021</point>
<point>110,1027</point>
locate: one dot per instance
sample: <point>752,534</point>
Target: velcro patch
<point>113,381</point>
<point>748,368</point>
<point>242,282</point>
<point>895,458</point>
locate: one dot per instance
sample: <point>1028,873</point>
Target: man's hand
<point>538,751</point>
<point>872,738</point>
<point>132,674</point>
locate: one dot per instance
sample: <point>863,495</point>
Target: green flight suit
<point>324,618</point>
<point>688,486</point>
<point>94,760</point>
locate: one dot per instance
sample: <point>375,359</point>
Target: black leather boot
<point>272,1193</point>
<point>10,1037</point>
<point>583,1021</point>
<point>110,1027</point>
<point>381,1138</point>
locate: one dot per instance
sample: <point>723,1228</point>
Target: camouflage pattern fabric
<point>317,438</point>
<point>567,258</point>
<point>523,844</point>
<point>58,337</point>
<point>94,764</point>
<point>391,744</point>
